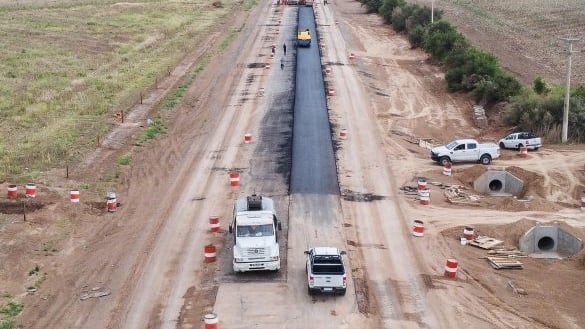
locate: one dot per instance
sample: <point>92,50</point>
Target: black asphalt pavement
<point>313,161</point>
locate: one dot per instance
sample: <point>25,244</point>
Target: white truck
<point>464,150</point>
<point>325,270</point>
<point>521,139</point>
<point>254,227</point>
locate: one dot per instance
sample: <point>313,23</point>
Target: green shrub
<point>539,86</point>
<point>441,39</point>
<point>416,36</point>
<point>124,160</point>
<point>388,7</point>
<point>7,324</point>
<point>12,309</point>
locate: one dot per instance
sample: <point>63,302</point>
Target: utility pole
<point>432,11</point>
<point>565,131</point>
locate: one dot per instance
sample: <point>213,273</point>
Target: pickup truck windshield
<point>451,145</point>
<point>254,230</point>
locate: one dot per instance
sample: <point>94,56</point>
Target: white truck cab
<point>255,227</point>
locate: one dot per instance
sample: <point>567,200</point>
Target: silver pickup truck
<point>325,271</point>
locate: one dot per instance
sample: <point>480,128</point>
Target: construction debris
<point>485,242</point>
<point>504,263</point>
<point>424,142</point>
<point>510,253</point>
<point>515,289</point>
<point>455,194</point>
<point>95,292</point>
<point>409,190</point>
<point>479,116</point>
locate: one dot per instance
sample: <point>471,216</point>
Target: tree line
<point>537,108</point>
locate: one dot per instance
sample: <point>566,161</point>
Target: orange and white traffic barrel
<point>419,228</point>
<point>112,203</point>
<point>468,233</point>
<point>74,196</point>
<point>523,153</point>
<point>351,55</point>
<point>209,253</point>
<point>447,169</point>
<point>424,196</point>
<point>211,321</point>
<point>214,224</point>
<point>30,190</point>
<point>12,191</point>
<point>331,92</point>
<point>248,138</point>
<point>421,184</point>
<point>451,268</point>
<point>234,179</point>
<point>343,134</point>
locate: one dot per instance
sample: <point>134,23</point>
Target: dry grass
<point>66,66</point>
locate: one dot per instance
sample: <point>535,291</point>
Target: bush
<point>416,36</point>
<point>398,19</point>
<point>539,86</point>
<point>7,324</point>
<point>12,309</point>
<point>387,8</point>
<point>441,39</point>
<point>372,5</point>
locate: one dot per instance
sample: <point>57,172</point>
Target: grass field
<point>67,66</point>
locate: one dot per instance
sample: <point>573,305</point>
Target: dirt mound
<point>511,233</point>
<point>533,182</point>
<point>533,196</point>
<point>468,175</point>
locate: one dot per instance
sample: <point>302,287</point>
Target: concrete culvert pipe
<point>496,185</point>
<point>546,243</point>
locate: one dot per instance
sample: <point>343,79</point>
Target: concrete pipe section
<point>498,182</point>
<point>549,241</point>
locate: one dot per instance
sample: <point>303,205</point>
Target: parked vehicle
<point>255,228</point>
<point>464,150</point>
<point>325,270</point>
<point>521,139</point>
<point>304,38</point>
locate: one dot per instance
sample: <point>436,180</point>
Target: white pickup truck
<point>325,270</point>
<point>462,150</point>
<point>518,140</point>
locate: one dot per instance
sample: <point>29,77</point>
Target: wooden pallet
<point>510,253</point>
<point>504,263</point>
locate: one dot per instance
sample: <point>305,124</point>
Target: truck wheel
<point>520,146</point>
<point>485,159</point>
<point>342,292</point>
<point>502,145</point>
<point>444,160</point>
<point>536,148</point>
<point>310,291</point>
